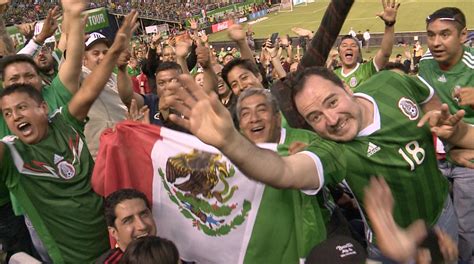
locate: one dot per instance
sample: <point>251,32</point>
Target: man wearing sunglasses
<point>448,68</point>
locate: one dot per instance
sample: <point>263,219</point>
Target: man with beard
<point>353,72</point>
<point>48,63</point>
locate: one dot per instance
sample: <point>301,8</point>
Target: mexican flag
<point>202,202</point>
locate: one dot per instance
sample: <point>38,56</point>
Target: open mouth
<point>141,235</point>
<point>349,55</point>
<point>257,129</point>
<point>25,128</point>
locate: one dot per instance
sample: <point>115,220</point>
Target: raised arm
<point>124,82</point>
<point>237,34</point>
<point>9,47</point>
<point>94,83</point>
<point>204,59</point>
<point>206,117</point>
<point>389,16</point>
<point>70,69</point>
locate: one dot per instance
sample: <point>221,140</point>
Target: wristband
<point>389,23</point>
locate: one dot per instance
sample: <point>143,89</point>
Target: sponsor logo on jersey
<point>409,108</point>
<point>442,78</point>
<point>346,250</point>
<point>372,149</point>
<point>353,82</point>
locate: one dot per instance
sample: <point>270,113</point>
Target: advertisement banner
<point>222,26</point>
<point>258,14</point>
<point>97,19</point>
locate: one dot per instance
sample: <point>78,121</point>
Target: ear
<point>113,232</point>
<point>44,107</point>
<point>463,35</point>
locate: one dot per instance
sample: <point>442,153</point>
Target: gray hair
<point>269,98</point>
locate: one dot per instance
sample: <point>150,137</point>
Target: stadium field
<point>411,17</point>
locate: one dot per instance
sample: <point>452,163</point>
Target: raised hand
<point>394,242</point>
<point>125,32</point>
<point>465,96</point>
<point>271,49</point>
<point>75,6</point>
<point>302,32</point>
<point>389,13</point>
<point>442,123</point>
<point>27,29</point>
<point>4,4</point>
<point>202,114</point>
<point>193,24</point>
<point>203,55</point>
<point>182,49</point>
<point>123,59</point>
<point>236,33</point>
<point>140,115</point>
<point>50,25</point>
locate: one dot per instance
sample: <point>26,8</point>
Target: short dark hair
<point>395,65</point>
<point>168,65</point>
<point>23,88</point>
<point>238,62</point>
<point>150,250</point>
<point>17,58</point>
<point>300,78</point>
<point>269,98</point>
<point>117,197</point>
<point>398,55</point>
<point>453,14</point>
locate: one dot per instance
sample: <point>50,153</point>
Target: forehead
<point>129,206</point>
<point>166,74</point>
<point>15,98</point>
<point>440,25</point>
<point>19,67</point>
<point>348,41</point>
<point>97,47</point>
<point>254,101</point>
<point>315,90</point>
<point>239,70</point>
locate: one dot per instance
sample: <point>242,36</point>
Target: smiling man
<point>353,72</point>
<point>448,67</point>
<point>128,216</point>
<point>376,131</point>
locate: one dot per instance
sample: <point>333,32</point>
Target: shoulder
<point>112,255</point>
<point>468,57</point>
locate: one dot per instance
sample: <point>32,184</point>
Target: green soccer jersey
<point>303,217</point>
<point>56,95</point>
<point>361,73</point>
<point>444,82</point>
<point>51,182</point>
<point>392,147</point>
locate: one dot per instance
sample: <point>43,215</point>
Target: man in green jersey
<point>448,68</point>
<point>22,69</point>
<point>353,72</point>
<point>47,167</point>
<point>376,133</point>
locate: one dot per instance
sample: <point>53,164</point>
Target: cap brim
<point>101,40</point>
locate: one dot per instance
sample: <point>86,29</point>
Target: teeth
<point>256,129</point>
<point>22,125</point>
<point>142,235</point>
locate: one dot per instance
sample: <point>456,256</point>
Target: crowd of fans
<point>367,115</point>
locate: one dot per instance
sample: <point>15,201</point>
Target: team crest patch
<point>66,170</point>
<point>197,183</point>
<point>353,82</point>
<point>409,108</point>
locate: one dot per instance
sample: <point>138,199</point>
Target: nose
<point>16,115</point>
<point>140,224</point>
<point>254,117</point>
<point>331,118</point>
<point>437,40</point>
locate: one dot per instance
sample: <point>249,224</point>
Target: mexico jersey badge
<point>66,170</point>
<point>408,108</point>
<point>353,81</point>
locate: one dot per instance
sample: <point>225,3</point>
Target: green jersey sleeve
<point>330,162</point>
<point>56,94</point>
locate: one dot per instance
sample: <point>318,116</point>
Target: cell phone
<point>274,37</point>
